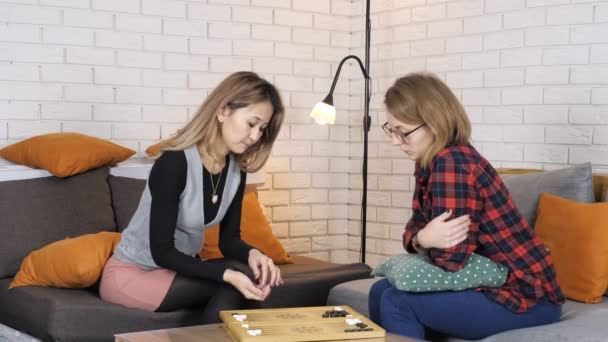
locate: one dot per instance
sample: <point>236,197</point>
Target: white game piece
<point>254,332</point>
<point>337,308</point>
<point>240,318</point>
<point>245,325</point>
<point>353,321</point>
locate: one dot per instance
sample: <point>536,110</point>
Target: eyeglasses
<point>390,132</point>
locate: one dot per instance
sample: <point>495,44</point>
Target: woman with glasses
<point>460,206</point>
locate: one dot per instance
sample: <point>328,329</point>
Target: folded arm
<point>453,188</point>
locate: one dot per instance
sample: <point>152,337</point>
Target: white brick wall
<point>531,73</point>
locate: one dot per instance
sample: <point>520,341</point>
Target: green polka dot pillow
<point>415,273</point>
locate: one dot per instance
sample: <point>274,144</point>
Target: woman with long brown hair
<point>197,181</point>
<point>460,206</point>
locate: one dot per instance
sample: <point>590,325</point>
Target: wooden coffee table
<point>215,333</point>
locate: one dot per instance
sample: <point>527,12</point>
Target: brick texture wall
<point>532,75</point>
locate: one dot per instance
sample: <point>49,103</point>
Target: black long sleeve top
<point>166,182</point>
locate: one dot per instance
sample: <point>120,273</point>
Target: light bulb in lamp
<point>324,113</point>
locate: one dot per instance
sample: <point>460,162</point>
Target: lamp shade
<point>324,114</point>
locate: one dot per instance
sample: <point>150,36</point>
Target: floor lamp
<point>324,113</point>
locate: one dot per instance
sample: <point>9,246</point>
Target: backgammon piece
<point>336,312</point>
<point>239,318</point>
<point>254,332</point>
<point>352,321</point>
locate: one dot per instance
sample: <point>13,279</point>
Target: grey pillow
<point>574,183</point>
<point>36,212</point>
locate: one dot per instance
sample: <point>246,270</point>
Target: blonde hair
<point>238,90</point>
<point>419,98</point>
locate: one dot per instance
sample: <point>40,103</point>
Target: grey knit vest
<point>134,246</point>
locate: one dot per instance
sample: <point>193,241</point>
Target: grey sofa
<point>36,212</point>
<point>579,322</point>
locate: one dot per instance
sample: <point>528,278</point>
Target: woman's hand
<point>264,270</point>
<point>444,233</point>
<point>245,286</point>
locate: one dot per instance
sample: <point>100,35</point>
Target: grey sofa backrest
<point>36,212</point>
<point>574,183</point>
<point>126,193</point>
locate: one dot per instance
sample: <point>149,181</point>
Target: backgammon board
<point>320,323</point>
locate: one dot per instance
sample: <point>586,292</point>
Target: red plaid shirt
<point>459,178</point>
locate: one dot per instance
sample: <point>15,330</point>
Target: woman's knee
<point>378,288</point>
<point>394,300</point>
<point>556,313</point>
<point>546,312</point>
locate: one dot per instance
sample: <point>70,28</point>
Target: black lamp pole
<point>329,99</point>
<point>366,124</point>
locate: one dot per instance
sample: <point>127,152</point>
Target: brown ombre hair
<point>419,98</point>
<point>238,90</point>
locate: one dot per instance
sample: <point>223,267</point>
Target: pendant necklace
<point>214,195</point>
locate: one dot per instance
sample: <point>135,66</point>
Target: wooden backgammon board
<point>320,323</point>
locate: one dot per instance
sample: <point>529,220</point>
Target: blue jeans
<point>464,314</point>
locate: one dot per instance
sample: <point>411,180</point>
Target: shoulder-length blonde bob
<point>238,90</point>
<point>419,98</point>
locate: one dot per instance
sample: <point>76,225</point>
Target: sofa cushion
<point>579,322</point>
<point>354,294</point>
<point>574,183</point>
<point>126,193</point>
<point>65,154</point>
<point>606,200</point>
<point>308,281</point>
<point>72,263</point>
<point>75,315</point>
<point>415,273</point>
<point>36,212</point>
<point>577,236</point>
<point>8,334</point>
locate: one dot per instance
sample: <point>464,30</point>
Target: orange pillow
<point>65,154</point>
<point>255,231</point>
<point>577,236</point>
<point>70,263</point>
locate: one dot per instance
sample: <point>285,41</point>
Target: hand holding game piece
<point>245,286</point>
<point>264,269</point>
<point>265,290</point>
